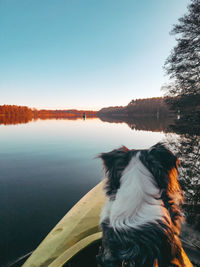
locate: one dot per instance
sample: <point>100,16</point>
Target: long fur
<point>142,217</point>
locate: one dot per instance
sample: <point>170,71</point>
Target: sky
<point>84,54</point>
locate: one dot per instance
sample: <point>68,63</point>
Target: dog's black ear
<point>164,167</point>
<point>161,153</point>
<point>114,162</point>
<point>160,161</point>
<point>110,159</point>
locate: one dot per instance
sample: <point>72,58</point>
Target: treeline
<point>13,114</point>
<point>159,107</point>
<point>13,110</point>
<point>156,107</point>
<point>113,111</point>
<point>63,113</point>
<point>187,105</point>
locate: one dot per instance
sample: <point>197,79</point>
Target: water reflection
<point>8,120</point>
<point>55,155</point>
<point>152,124</point>
<point>187,147</point>
<point>21,119</point>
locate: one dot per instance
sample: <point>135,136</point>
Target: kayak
<point>76,230</point>
<point>76,237</point>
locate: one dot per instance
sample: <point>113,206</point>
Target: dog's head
<point>159,160</point>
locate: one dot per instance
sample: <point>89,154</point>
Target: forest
<point>187,107</point>
<point>154,107</point>
<point>13,114</point>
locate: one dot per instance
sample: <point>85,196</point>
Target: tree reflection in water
<point>187,148</point>
<point>186,145</point>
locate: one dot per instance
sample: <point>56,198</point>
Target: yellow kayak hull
<point>81,222</point>
<point>77,229</point>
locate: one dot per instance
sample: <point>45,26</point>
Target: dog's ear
<point>161,153</point>
<point>110,159</point>
<point>165,170</point>
<point>161,162</point>
<point>114,162</point>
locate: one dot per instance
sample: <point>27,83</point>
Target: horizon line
<point>79,108</point>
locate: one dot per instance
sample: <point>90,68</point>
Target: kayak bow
<point>76,230</point>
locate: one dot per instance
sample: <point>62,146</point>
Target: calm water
<point>47,166</point>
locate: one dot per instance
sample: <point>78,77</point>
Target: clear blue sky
<point>84,53</point>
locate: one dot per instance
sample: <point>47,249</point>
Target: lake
<point>48,165</point>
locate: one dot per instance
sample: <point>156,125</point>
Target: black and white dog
<point>142,217</point>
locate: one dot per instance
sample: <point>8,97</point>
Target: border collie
<point>142,217</point>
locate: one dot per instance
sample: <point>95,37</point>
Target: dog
<point>141,220</point>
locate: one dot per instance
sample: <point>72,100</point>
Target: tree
<point>183,65</point>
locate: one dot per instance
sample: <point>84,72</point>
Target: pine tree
<point>183,65</point>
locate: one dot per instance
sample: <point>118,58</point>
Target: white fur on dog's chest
<point>137,200</point>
